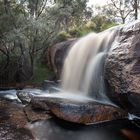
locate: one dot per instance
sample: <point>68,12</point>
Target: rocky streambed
<point>21,122</point>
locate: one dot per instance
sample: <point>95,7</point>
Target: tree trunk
<point>136,9</point>
<point>32,63</point>
<point>123,20</point>
<point>6,6</point>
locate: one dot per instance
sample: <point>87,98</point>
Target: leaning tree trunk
<point>136,9</point>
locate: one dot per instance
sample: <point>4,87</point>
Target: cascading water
<point>83,71</point>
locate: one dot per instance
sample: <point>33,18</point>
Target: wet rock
<point>122,70</point>
<point>24,94</point>
<point>13,113</point>
<point>13,122</point>
<point>47,84</point>
<point>10,132</point>
<point>34,114</point>
<point>56,55</point>
<point>86,112</point>
<point>54,90</point>
<point>76,109</point>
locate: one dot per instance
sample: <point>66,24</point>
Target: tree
<point>102,23</point>
<point>71,13</point>
<point>119,9</point>
<point>135,4</point>
<point>28,27</point>
<point>24,31</point>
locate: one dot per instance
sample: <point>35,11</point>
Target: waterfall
<point>83,71</point>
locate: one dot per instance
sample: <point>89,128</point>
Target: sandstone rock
<point>83,110</point>
<point>122,68</point>
<point>86,112</point>
<point>56,55</point>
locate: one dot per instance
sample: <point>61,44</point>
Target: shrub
<point>75,32</point>
<point>62,36</point>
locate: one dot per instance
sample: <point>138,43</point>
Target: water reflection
<point>61,130</point>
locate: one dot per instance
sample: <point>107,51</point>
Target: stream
<point>14,126</point>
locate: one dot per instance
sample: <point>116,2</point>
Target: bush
<point>62,36</point>
<point>41,72</point>
<point>75,32</point>
<point>90,26</point>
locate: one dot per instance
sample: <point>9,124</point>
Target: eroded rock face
<point>56,55</point>
<point>122,69</point>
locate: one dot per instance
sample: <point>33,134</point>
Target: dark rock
<point>122,70</point>
<point>56,55</point>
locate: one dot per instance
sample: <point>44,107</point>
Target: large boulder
<point>56,55</point>
<point>71,108</point>
<point>122,68</point>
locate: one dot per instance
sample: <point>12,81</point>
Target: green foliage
<point>69,13</point>
<point>41,72</point>
<point>62,36</point>
<point>102,23</point>
<point>28,27</point>
<point>74,32</point>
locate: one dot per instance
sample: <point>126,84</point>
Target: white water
<point>83,71</point>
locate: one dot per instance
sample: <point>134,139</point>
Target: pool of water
<point>55,129</point>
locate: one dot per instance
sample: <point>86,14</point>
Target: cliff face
<point>122,68</point>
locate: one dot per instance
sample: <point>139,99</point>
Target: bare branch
<point>42,8</point>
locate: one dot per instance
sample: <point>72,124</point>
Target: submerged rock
<point>47,84</point>
<point>122,70</point>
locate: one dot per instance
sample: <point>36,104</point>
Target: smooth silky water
<point>83,71</point>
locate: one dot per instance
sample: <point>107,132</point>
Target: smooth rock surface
<point>86,112</point>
